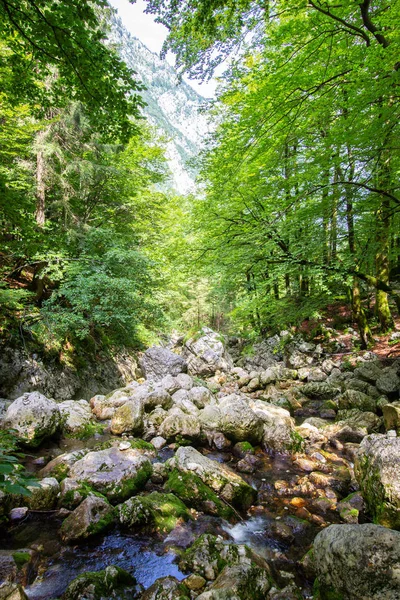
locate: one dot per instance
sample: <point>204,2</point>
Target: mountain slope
<point>172,106</point>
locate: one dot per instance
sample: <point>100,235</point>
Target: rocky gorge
<point>212,474</point>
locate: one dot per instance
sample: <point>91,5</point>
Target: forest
<point>298,194</point>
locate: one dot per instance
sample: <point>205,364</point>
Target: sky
<point>152,35</point>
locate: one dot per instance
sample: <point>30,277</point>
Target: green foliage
<point>13,477</point>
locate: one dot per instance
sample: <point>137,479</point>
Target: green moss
<point>245,447</point>
<point>21,558</point>
<point>321,592</point>
<point>129,487</point>
<point>60,472</point>
<point>102,524</point>
<point>297,442</point>
<point>155,512</point>
<point>88,430</point>
<point>141,445</point>
<point>193,492</point>
<point>100,584</point>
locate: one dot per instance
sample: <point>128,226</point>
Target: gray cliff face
<point>172,106</point>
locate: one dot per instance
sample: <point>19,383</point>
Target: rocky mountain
<point>172,106</point>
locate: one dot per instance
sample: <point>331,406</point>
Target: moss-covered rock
<point>91,517</point>
<point>244,581</point>
<point>193,492</point>
<point>230,486</point>
<point>378,474</point>
<point>118,474</point>
<point>113,582</point>
<point>155,512</point>
<point>44,495</point>
<point>167,588</point>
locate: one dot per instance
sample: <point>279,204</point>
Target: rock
<point>60,466</point>
<point>167,588</point>
<point>207,354</point>
<point>228,485</point>
<point>189,488</point>
<point>279,426</point>
<point>391,416</point>
<point>116,474</point>
<point>316,374</point>
<point>75,416</point>
<point>350,507</point>
<point>238,422</point>
<point>378,474</point>
<point>241,449</point>
<point>12,591</point>
<point>8,567</point>
<point>357,419</point>
<point>210,418</point>
<point>170,384</point>
<point>91,517</point>
<point>355,399</point>
<point>17,514</point>
<point>388,383</point>
<point>244,581</point>
<point>182,400</point>
<point>154,395</point>
<point>362,386</point>
<point>128,418</point>
<point>72,493</point>
<point>157,362</point>
<point>369,371</point>
<point>158,442</point>
<point>33,417</point>
<point>195,582</point>
<point>177,424</point>
<point>184,381</point>
<point>155,512</point>
<point>320,390</point>
<point>43,497</point>
<point>297,360</point>
<point>113,582</point>
<point>208,556</point>
<point>200,396</point>
<point>358,561</point>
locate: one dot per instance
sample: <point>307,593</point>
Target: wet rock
<point>354,399</point>
<point>290,592</point>
<point>44,496</point>
<point>75,416</point>
<point>116,474</point>
<point>378,474</point>
<point>230,486</point>
<point>196,494</point>
<point>278,426</point>
<point>113,582</point>
<point>208,556</point>
<point>12,591</point>
<point>91,517</point>
<point>244,581</point>
<point>178,424</point>
<point>241,449</point>
<point>155,512</point>
<point>391,416</point>
<point>358,561</point>
<point>220,441</point>
<point>33,417</point>
<point>167,588</point>
<point>128,418</point>
<point>238,422</point>
<point>157,362</point>
<point>207,354</point>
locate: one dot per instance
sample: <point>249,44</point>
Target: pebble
<point>124,446</point>
<point>16,514</point>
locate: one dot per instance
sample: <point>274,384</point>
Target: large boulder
<point>179,425</point>
<point>76,415</point>
<point>238,422</point>
<point>207,354</point>
<point>118,474</point>
<point>278,426</point>
<point>33,417</point>
<point>377,469</point>
<point>352,399</point>
<point>157,362</point>
<point>231,487</point>
<point>358,561</point>
<point>113,582</point>
<point>92,516</point>
<point>128,418</point>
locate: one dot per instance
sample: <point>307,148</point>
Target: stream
<point>275,528</point>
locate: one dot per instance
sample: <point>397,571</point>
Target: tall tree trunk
<point>360,316</point>
<point>382,265</point>
<point>40,214</point>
